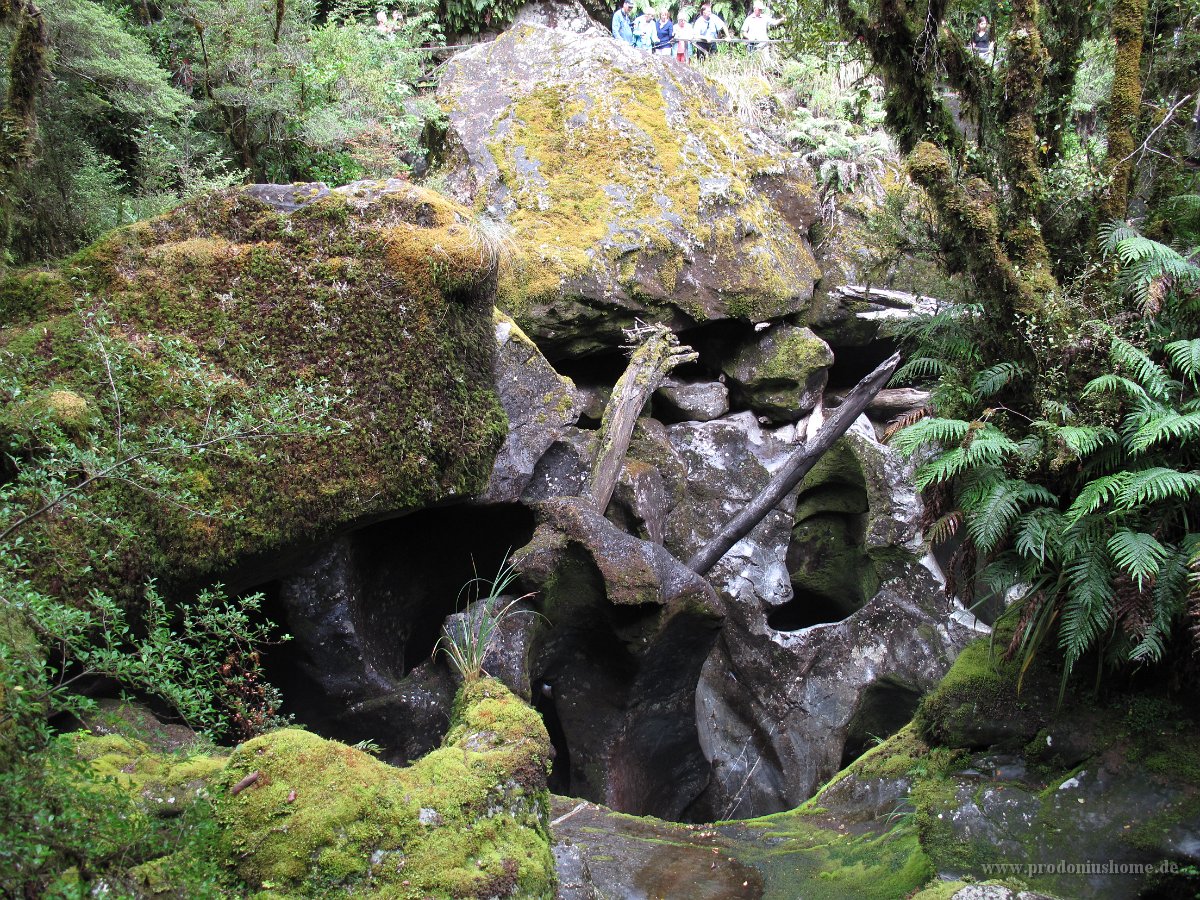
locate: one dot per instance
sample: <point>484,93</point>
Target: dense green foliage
<point>145,105</point>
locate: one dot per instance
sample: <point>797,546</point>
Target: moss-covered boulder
<point>627,186</point>
<point>259,368</point>
<point>319,819</point>
<point>782,373</point>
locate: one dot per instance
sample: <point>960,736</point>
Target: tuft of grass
<point>486,609</point>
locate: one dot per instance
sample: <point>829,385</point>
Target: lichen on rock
<point>627,186</point>
<point>363,316</point>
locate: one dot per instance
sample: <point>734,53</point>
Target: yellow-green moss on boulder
<point>467,820</point>
<point>242,307</point>
<point>629,187</point>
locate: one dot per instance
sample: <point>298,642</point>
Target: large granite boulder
<point>626,188</point>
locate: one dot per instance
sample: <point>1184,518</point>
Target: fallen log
<point>795,468</point>
<point>658,353</point>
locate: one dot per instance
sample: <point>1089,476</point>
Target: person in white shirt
<point>707,29</point>
<point>754,29</point>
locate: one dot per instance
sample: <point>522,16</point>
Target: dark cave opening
<point>852,364</point>
<point>808,608</point>
<point>884,708</point>
<point>367,611</point>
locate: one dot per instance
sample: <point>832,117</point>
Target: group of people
<point>388,26</point>
<point>679,38</point>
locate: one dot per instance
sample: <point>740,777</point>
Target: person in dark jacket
<point>665,29</point>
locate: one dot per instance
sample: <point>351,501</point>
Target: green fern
<point>1150,375</point>
<point>930,431</point>
<point>992,518</point>
<point>1157,485</point>
<point>1150,427</point>
<point>992,380</point>
<point>1185,356</point>
<point>1138,553</point>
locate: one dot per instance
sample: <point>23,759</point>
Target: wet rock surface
<point>539,403</point>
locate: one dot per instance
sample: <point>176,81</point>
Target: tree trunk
<point>1128,18</point>
<point>650,364</point>
<point>796,467</point>
<point>18,120</point>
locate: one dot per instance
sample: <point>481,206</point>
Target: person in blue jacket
<point>622,27</point>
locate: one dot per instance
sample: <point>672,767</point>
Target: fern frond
<point>1169,601</point>
<point>1038,534</point>
<point>1095,494</point>
<point>1138,553</point>
<point>1081,440</point>
<point>1149,374</point>
<point>989,446</point>
<point>920,368</point>
<point>989,522</point>
<point>1087,610</point>
<point>930,431</point>
<point>1165,425</point>
<point>1115,384</point>
<point>991,380</point>
<point>1155,485</point>
<point>1185,356</point>
<point>945,527</point>
<point>1112,233</point>
<point>943,468</point>
<point>901,422</point>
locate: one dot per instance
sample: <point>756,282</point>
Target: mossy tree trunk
<point>990,204</point>
<point>1128,18</point>
<point>18,120</point>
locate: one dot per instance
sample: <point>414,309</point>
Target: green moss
<point>979,685</point>
<point>225,305</point>
<point>468,820</point>
<point>803,859</point>
<point>796,355</point>
<point>577,169</point>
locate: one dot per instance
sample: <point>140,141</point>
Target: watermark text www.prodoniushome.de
<point>1087,867</point>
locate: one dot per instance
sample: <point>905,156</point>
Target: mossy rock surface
<point>265,303</point>
<point>629,188</point>
<point>467,820</point>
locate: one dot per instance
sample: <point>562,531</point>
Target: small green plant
<point>486,609</point>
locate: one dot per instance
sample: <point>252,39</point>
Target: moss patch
<point>378,300</point>
<point>468,820</point>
